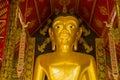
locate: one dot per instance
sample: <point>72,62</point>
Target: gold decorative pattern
<point>98,23</point>
<point>64,2</point>
<point>3,16</point>
<point>28,12</point>
<point>85,44</point>
<point>2,29</point>
<point>85,11</point>
<point>57,11</point>
<point>29,59</point>
<point>20,64</point>
<point>3,11</point>
<point>2,25</point>
<point>6,70</point>
<point>42,47</point>
<point>32,23</point>
<point>113,56</point>
<point>44,30</point>
<point>101,59</point>
<point>103,10</point>
<point>116,35</point>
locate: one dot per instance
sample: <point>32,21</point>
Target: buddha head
<point>65,31</point>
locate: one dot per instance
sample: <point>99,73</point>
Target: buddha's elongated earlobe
<point>79,33</point>
<point>53,46</point>
<point>52,39</point>
<point>75,45</point>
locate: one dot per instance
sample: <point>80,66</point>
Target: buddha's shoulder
<point>84,55</point>
<point>74,54</point>
<point>44,55</point>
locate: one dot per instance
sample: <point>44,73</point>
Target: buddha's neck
<point>63,49</point>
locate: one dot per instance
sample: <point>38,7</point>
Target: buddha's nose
<point>64,31</point>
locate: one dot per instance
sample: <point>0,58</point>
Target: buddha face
<point>65,29</point>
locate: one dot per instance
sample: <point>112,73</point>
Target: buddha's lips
<point>64,35</point>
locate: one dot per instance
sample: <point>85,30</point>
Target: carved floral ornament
<point>64,2</point>
<point>103,10</point>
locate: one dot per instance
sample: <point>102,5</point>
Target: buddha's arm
<point>38,72</point>
<point>92,70</point>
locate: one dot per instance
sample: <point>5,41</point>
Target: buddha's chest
<point>64,70</point>
<point>65,67</point>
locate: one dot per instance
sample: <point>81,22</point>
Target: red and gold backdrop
<point>93,12</point>
<point>37,12</point>
<point>4,12</point>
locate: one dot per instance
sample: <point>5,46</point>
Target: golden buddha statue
<point>64,63</point>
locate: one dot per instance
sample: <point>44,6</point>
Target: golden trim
<point>113,55</point>
<point>29,59</point>
<point>101,59</point>
<point>2,30</point>
<point>2,25</point>
<point>3,11</point>
<point>118,12</point>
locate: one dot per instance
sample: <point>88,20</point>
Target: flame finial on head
<point>64,8</point>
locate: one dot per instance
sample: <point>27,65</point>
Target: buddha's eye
<point>57,27</point>
<point>71,26</point>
